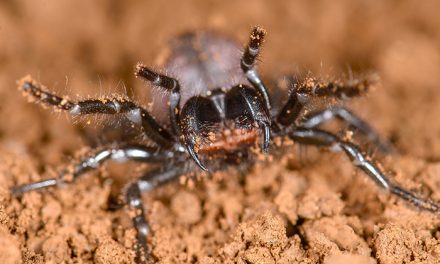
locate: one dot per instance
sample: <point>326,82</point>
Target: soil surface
<point>313,208</point>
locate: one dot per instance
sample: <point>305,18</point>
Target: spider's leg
<point>168,83</point>
<point>136,114</point>
<point>341,89</point>
<point>146,183</point>
<point>94,161</point>
<point>303,89</point>
<point>322,138</point>
<point>316,119</point>
<point>248,61</point>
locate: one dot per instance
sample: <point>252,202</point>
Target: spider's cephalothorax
<point>224,125</point>
<point>217,111</point>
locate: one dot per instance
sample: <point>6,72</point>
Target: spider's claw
<point>194,156</point>
<point>266,136</point>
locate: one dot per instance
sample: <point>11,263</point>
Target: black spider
<point>211,123</point>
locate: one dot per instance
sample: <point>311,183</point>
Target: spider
<point>209,123</point>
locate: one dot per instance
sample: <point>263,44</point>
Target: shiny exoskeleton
<point>217,112</point>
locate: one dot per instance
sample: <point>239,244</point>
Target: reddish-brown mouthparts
<point>228,140</point>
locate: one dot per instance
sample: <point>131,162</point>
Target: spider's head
<point>224,124</point>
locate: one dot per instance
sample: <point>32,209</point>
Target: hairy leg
<point>116,105</point>
<point>305,88</point>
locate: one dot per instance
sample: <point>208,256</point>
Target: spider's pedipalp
<point>168,83</point>
<point>248,60</point>
<point>252,49</point>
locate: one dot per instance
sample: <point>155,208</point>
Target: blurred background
<point>87,48</point>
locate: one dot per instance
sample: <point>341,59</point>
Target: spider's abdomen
<point>201,62</point>
<point>204,61</point>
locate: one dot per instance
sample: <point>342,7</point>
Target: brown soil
<point>314,210</point>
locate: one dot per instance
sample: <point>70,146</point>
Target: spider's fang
<point>194,156</point>
<point>266,136</point>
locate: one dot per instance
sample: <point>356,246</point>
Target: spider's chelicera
<point>211,123</point>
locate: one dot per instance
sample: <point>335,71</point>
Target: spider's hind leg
<point>359,159</point>
<point>94,161</point>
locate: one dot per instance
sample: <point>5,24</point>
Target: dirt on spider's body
<point>314,210</point>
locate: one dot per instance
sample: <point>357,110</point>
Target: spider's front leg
<point>325,139</point>
<point>111,106</point>
<point>303,90</point>
<point>147,183</point>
